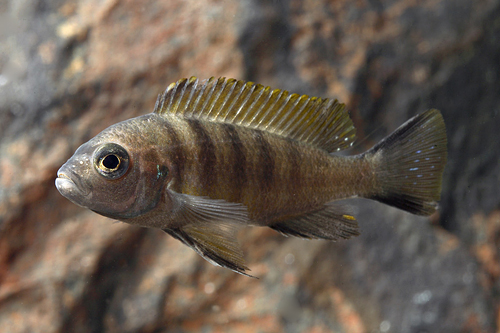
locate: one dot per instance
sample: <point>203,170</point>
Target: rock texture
<point>68,69</point>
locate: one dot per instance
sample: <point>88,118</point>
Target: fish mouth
<point>69,185</point>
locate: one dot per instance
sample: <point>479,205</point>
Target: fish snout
<point>69,184</point>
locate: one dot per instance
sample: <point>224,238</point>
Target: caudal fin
<point>410,163</point>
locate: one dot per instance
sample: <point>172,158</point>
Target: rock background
<point>68,69</point>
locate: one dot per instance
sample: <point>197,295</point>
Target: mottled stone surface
<point>68,69</point>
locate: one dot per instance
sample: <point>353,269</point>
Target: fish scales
<point>267,169</point>
<point>220,154</point>
<point>236,160</point>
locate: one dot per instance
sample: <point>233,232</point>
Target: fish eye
<point>111,161</point>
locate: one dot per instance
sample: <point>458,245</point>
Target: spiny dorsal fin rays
<point>320,122</point>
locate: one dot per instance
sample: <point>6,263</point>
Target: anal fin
<point>332,222</point>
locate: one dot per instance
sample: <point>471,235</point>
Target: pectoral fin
<point>332,221</point>
<point>209,226</point>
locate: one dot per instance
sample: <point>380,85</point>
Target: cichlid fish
<point>220,154</point>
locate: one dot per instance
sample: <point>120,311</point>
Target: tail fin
<point>410,163</point>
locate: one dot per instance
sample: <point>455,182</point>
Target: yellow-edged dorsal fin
<point>323,123</point>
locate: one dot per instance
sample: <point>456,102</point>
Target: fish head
<point>114,174</point>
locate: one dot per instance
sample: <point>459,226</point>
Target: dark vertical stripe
<point>206,156</point>
<point>238,161</point>
<point>295,175</point>
<point>178,155</point>
<point>265,160</point>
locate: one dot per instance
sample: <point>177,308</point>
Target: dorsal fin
<point>319,122</point>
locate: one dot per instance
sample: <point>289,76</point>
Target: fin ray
<point>319,122</point>
<point>214,242</point>
<point>411,164</point>
<point>332,222</point>
<point>209,227</point>
<point>190,209</point>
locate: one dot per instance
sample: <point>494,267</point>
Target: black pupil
<point>111,162</point>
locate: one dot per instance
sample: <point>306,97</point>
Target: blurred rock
<point>68,69</point>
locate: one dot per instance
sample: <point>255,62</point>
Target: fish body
<point>216,155</point>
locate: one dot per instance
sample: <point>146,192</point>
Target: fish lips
<point>69,184</point>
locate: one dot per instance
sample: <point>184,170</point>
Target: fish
<point>217,155</point>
